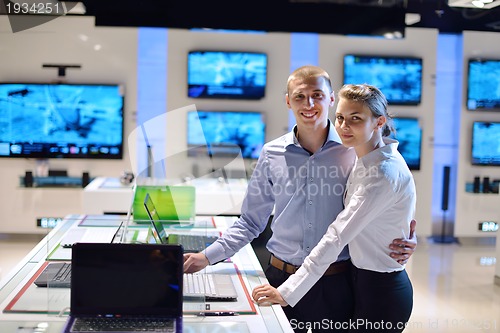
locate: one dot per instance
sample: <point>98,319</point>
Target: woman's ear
<point>381,121</point>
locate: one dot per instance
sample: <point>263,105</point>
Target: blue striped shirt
<point>306,191</point>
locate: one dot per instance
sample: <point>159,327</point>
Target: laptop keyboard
<point>123,325</point>
<point>64,274</point>
<point>195,243</point>
<point>199,284</point>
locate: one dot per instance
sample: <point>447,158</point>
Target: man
<point>302,175</point>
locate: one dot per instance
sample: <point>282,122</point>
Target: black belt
<point>335,268</point>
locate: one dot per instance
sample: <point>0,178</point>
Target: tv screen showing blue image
<point>221,74</point>
<point>409,135</point>
<point>483,85</point>
<point>399,78</point>
<point>225,133</point>
<point>485,143</point>
<point>61,120</point>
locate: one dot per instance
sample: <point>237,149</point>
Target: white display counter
<point>213,196</point>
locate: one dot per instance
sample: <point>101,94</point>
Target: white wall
<point>417,43</point>
<point>61,41</point>
<point>472,208</point>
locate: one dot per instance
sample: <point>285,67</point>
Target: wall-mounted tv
<point>485,143</point>
<point>225,133</point>
<point>223,74</point>
<point>61,120</point>
<point>483,84</point>
<point>409,135</point>
<point>399,78</point>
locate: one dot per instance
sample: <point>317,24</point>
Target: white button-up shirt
<point>380,203</point>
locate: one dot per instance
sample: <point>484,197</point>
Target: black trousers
<point>327,307</point>
<point>383,301</point>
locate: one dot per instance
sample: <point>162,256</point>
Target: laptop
<point>211,287</point>
<point>55,275</point>
<point>126,288</point>
<point>58,274</point>
<point>89,235</point>
<point>190,243</point>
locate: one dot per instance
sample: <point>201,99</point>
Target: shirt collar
<point>378,155</point>
<point>291,138</point>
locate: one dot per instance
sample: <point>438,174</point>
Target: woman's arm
<point>368,202</point>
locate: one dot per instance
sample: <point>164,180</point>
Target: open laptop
<point>211,287</point>
<point>126,288</point>
<point>190,243</point>
<point>58,274</point>
<point>80,234</point>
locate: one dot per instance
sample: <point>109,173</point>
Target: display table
<point>29,309</point>
<point>213,196</point>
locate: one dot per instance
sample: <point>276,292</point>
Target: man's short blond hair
<point>306,72</point>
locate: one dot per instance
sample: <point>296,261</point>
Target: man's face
<point>310,100</point>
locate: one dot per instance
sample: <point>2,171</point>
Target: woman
<point>380,196</point>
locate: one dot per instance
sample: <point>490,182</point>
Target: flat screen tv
<point>409,135</point>
<point>225,133</point>
<point>483,85</point>
<point>485,143</point>
<point>399,78</point>
<point>222,74</point>
<point>61,120</point>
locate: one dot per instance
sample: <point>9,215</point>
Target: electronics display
<point>399,78</point>
<point>221,74</point>
<point>61,120</point>
<point>485,143</point>
<point>409,135</point>
<point>225,133</point>
<point>483,85</point>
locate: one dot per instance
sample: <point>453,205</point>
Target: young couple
<point>312,272</point>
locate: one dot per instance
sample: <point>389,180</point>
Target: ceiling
<point>364,17</point>
<point>347,17</point>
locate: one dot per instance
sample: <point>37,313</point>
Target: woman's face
<point>356,125</point>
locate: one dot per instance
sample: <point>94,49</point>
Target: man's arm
<point>403,248</point>
<point>256,208</point>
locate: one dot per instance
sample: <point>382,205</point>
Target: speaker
<point>446,188</point>
<point>476,185</point>
<point>486,185</point>
<point>85,179</point>
<point>28,179</point>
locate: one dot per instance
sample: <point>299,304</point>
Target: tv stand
<point>54,181</point>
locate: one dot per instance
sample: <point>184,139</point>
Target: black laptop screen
<point>126,279</point>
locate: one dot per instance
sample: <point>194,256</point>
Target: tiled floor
<point>453,284</point>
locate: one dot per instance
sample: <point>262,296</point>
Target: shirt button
<point>310,225</point>
<point>307,248</point>
<point>311,179</point>
<point>310,202</point>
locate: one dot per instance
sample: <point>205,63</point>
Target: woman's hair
<point>309,71</point>
<point>373,98</point>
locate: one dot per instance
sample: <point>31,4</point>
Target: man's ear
<point>332,99</point>
<point>287,100</point>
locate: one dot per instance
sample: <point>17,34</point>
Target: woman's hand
<point>267,295</point>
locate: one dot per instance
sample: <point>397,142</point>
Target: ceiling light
<point>412,18</point>
<point>478,3</point>
<point>488,4</point>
